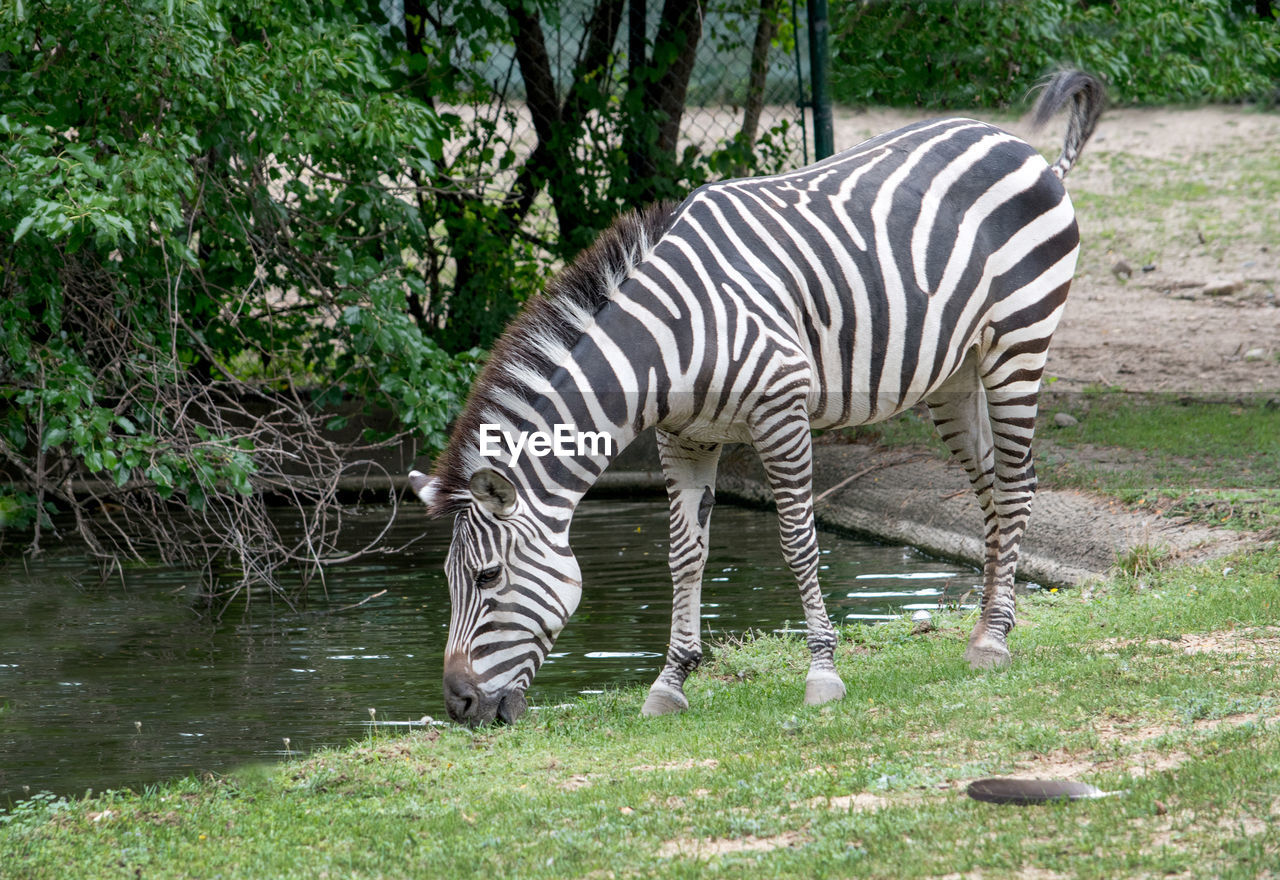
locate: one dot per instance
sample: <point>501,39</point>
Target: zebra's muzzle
<point>469,705</point>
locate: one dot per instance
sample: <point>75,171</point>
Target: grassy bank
<point>1209,458</point>
<point>1213,459</point>
<point>1164,687</point>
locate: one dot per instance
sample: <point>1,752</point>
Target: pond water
<point>124,683</point>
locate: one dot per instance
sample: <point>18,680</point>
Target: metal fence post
<point>819,62</point>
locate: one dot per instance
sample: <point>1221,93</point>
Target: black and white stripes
<point>927,264</point>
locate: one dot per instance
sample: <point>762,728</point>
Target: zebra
<point>930,263</point>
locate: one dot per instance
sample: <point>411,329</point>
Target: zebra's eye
<point>488,576</point>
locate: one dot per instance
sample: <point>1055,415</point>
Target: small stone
<point>1065,420</point>
<point>1222,286</point>
<point>1122,270</point>
<point>1161,809</point>
<point>1150,267</point>
<point>1255,354</point>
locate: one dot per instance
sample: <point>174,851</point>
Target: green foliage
<point>182,183</point>
<point>962,53</point>
<point>941,52</point>
<point>220,220</point>
<point>1177,50</point>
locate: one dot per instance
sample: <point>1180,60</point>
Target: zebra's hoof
<point>823,689</point>
<point>987,654</point>
<point>663,701</point>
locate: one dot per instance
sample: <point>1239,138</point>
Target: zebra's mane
<point>538,338</point>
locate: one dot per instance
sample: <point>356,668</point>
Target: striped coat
<point>927,264</point>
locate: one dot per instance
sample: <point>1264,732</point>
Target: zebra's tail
<point>1087,96</point>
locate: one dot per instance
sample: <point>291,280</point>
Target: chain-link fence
<point>748,77</point>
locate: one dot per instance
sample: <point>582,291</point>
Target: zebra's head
<point>513,583</point>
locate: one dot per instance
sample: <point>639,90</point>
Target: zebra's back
<point>882,266</point>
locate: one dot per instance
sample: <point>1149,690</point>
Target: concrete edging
<point>915,497</point>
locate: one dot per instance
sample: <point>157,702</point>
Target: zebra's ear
<point>494,491</point>
<point>423,486</point>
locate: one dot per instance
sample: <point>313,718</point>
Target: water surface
<point>124,683</point>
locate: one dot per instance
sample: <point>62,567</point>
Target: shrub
<point>201,216</point>
<point>961,53</point>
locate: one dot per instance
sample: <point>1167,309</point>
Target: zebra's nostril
<point>461,698</point>
<point>510,707</point>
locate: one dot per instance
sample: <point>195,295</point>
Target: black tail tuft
<point>1088,96</point>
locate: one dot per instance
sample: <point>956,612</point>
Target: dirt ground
<point>1184,205</point>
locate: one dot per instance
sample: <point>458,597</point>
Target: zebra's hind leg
<point>786,452</point>
<point>959,410</point>
<point>690,470</point>
<point>988,429</point>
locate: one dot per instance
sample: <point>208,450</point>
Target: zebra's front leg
<point>690,470</point>
<point>786,452</point>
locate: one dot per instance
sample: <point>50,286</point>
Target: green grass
<point>1211,204</point>
<point>910,428</point>
<point>1099,690</point>
<point>1211,461</point>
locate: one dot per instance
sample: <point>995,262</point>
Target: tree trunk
<point>674,52</point>
<point>552,161</point>
<point>636,140</point>
<point>414,24</point>
<point>754,102</point>
<point>535,68</point>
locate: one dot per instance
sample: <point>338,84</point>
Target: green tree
<point>226,226</point>
<point>545,149</point>
<point>203,214</point>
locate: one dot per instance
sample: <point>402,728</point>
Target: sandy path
<point>1194,194</point>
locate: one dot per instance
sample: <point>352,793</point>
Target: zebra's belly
<point>832,414</point>
<point>831,411</point>
<point>713,432</point>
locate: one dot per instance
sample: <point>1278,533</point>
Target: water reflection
<point>124,683</point>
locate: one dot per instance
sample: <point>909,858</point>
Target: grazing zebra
<point>927,264</point>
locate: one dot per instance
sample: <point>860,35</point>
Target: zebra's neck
<point>537,378</point>
<point>609,387</point>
